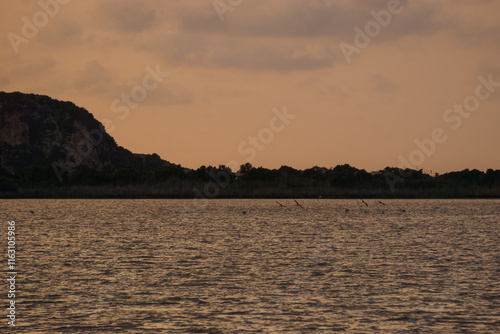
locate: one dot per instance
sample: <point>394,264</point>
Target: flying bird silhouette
<point>298,204</point>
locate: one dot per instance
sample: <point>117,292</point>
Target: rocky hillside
<point>36,130</point>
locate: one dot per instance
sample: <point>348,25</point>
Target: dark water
<point>179,266</point>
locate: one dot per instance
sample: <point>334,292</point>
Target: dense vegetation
<point>212,182</point>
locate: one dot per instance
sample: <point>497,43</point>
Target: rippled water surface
<point>180,266</point>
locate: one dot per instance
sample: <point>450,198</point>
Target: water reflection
<point>129,266</point>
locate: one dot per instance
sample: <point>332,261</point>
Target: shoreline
<point>148,193</point>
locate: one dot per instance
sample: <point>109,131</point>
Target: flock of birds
<point>346,210</point>
<point>300,205</point>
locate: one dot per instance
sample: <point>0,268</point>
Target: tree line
<point>249,181</point>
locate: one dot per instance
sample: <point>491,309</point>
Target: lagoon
<point>188,266</point>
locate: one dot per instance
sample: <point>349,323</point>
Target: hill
<point>51,148</point>
<point>41,136</point>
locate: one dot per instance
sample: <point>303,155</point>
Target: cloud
<point>289,35</point>
<point>65,33</point>
<point>307,19</point>
<point>382,85</point>
<point>419,18</point>
<point>252,54</point>
<point>291,18</point>
<point>279,35</point>
<point>170,94</point>
<point>34,68</point>
<point>333,91</point>
<point>127,16</point>
<point>93,78</point>
<point>264,56</point>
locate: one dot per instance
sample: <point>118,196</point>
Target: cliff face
<point>36,130</point>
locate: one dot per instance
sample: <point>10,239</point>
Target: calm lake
<point>186,266</point>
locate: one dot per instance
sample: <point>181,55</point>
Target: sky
<point>271,82</point>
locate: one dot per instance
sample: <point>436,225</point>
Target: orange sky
<point>227,76</point>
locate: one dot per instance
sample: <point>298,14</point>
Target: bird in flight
<point>298,204</point>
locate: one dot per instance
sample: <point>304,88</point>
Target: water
<point>180,266</point>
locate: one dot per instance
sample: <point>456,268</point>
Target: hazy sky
<point>235,65</point>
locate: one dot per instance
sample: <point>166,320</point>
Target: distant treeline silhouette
<point>52,148</point>
<point>286,182</point>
